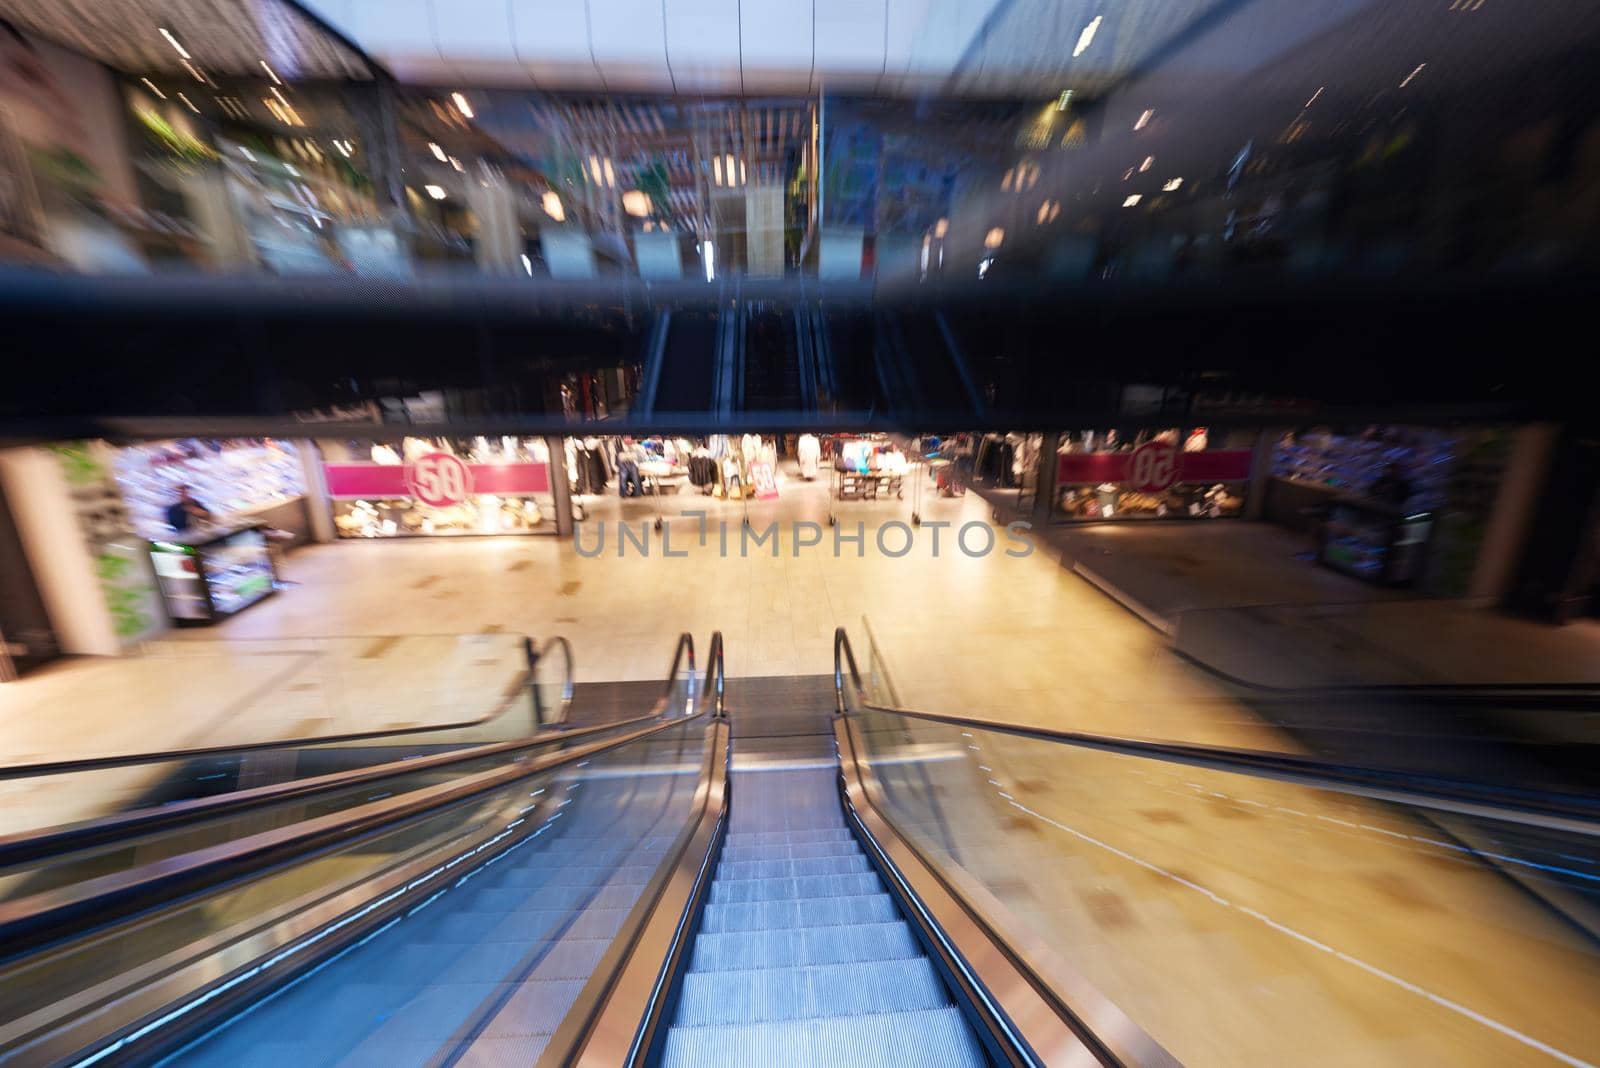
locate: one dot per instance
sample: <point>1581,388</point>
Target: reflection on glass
<point>1244,921</point>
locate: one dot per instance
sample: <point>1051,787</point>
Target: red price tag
<point>764,480</point>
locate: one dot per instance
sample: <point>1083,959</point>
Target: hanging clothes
<point>808,452</point>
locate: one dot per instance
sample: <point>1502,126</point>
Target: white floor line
<point>1444,1002</point>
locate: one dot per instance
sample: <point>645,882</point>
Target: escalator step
<point>787,888</point>
<point>798,851</point>
<point>811,912</point>
<point>932,1038</point>
<point>778,867</point>
<point>838,833</point>
<point>810,992</point>
<point>801,946</point>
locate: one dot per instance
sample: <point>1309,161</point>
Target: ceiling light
<point>552,206</point>
<point>271,73</point>
<point>709,252</point>
<point>434,191</point>
<point>716,168</point>
<point>189,103</point>
<point>1132,201</point>
<point>192,69</point>
<point>1044,213</point>
<point>941,228</point>
<point>462,105</point>
<point>1173,185</point>
<point>636,202</point>
<point>527,264</point>
<point>1413,74</point>
<point>438,153</point>
<point>741,172</point>
<point>1064,100</point>
<point>457,165</point>
<point>729,170</point>
<point>292,169</point>
<point>1086,37</point>
<point>1144,118</point>
<point>247,154</point>
<point>1314,95</point>
<point>611,175</point>
<point>1148,160</point>
<point>173,41</point>
<point>152,87</point>
<point>994,238</point>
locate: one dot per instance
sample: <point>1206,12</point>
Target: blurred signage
<point>1153,466</point>
<point>435,482</point>
<point>439,479</point>
<point>764,481</point>
<point>1146,469</point>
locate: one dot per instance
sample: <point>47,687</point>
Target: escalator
<point>688,379</point>
<point>771,369</point>
<point>792,871</point>
<point>927,364</point>
<point>802,955</point>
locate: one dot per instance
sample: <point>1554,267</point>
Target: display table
<point>1374,541</point>
<point>209,573</point>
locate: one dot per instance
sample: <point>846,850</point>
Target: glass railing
<point>582,837</point>
<point>1243,920</point>
<point>373,700</point>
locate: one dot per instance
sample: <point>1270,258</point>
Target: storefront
<point>1393,505</point>
<point>251,494</point>
<point>439,487</point>
<point>1176,473</point>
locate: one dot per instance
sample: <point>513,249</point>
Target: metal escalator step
<point>786,888</point>
<point>798,946</point>
<point>930,1038</point>
<point>815,991</point>
<point>790,851</point>
<point>790,837</point>
<point>793,867</point>
<point>809,912</point>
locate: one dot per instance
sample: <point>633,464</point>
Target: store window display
<point>231,481</point>
<point>1171,473</point>
<point>206,506</point>
<point>422,487</point>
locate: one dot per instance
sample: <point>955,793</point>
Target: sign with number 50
<point>1153,466</point>
<point>439,480</point>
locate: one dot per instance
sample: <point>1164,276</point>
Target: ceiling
<point>879,47</point>
<point>221,37</point>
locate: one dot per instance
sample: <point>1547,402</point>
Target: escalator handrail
<point>60,767</point>
<point>1564,812</point>
<point>56,915</point>
<point>568,675</point>
<point>716,676</point>
<point>616,1017</point>
<point>33,846</point>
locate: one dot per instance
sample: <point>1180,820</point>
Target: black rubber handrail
<point>31,847</point>
<point>716,676</point>
<point>1577,813</point>
<point>568,675</point>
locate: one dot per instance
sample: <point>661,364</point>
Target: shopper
<point>186,511</point>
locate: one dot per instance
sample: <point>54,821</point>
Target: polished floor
<point>1239,922</point>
